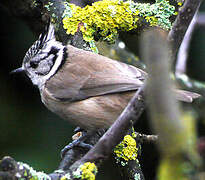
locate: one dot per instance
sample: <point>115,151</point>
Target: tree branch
<point>103,149</point>
<point>182,22</point>
<point>183,50</point>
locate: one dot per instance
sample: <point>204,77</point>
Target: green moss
<point>89,170</point>
<point>93,46</point>
<point>104,19</point>
<point>31,174</point>
<point>48,6</point>
<point>34,4</point>
<point>127,149</point>
<point>66,177</point>
<point>68,11</point>
<point>180,2</point>
<point>137,176</point>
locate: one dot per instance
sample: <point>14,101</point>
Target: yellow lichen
<point>66,177</point>
<point>180,3</point>
<point>88,171</point>
<point>133,130</point>
<point>107,16</point>
<point>152,20</point>
<point>127,149</point>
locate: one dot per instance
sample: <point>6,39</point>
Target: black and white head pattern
<point>44,57</point>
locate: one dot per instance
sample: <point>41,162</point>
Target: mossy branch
<point>137,15</point>
<point>105,19</point>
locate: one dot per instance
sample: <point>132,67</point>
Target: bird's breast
<point>92,113</point>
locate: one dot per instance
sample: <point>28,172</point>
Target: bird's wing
<point>86,74</point>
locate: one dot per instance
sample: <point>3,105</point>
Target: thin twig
<point>143,138</point>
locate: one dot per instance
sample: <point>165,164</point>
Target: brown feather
<point>186,96</point>
<point>90,75</point>
<point>92,113</point>
<point>91,90</point>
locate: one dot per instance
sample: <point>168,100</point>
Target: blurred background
<point>32,134</point>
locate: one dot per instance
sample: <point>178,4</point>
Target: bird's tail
<point>186,96</point>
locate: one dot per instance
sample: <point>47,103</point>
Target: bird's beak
<point>19,70</point>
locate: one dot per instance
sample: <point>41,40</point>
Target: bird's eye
<point>34,64</point>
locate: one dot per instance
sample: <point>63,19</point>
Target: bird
<point>85,88</point>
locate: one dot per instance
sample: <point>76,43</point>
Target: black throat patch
<point>65,55</point>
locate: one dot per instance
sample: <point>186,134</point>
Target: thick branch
<point>76,153</point>
<point>114,135</point>
<point>27,10</point>
<point>182,22</point>
<point>101,150</point>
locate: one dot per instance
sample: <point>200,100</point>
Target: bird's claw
<point>76,143</point>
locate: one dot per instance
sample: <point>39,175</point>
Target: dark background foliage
<point>32,134</point>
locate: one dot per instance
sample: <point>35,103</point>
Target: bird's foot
<point>79,137</point>
<point>78,129</point>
